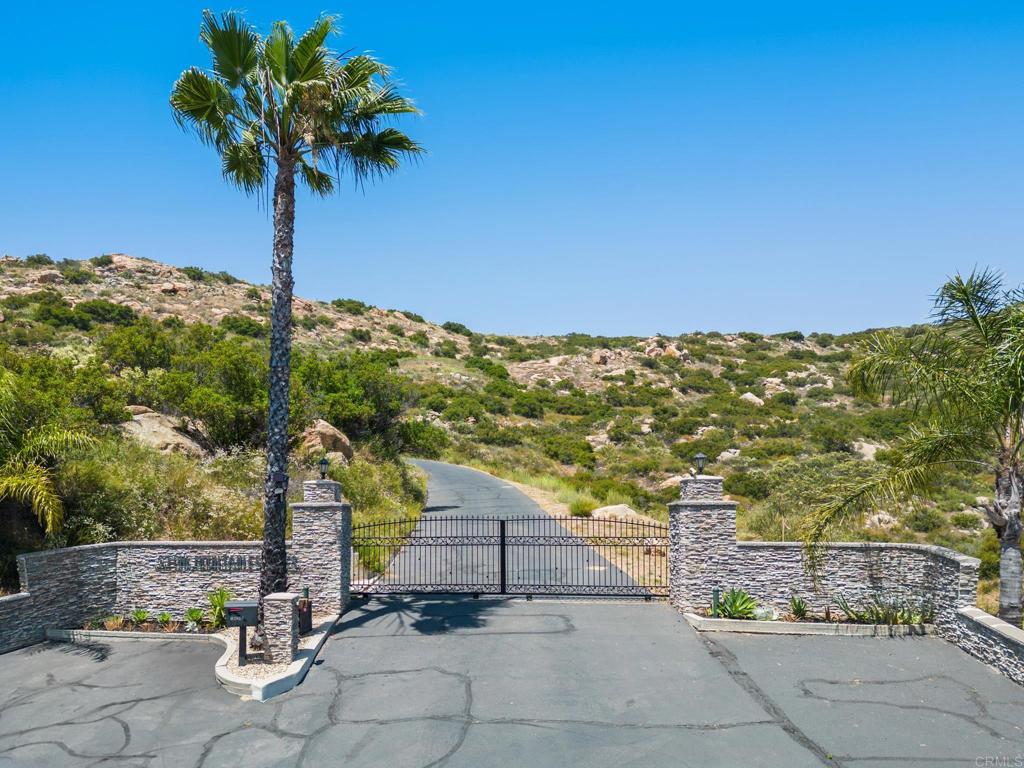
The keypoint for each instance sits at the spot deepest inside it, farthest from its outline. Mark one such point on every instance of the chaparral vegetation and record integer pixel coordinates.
(597, 420)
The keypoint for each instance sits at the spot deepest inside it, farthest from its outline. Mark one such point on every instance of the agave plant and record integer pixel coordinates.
(798, 608)
(737, 604)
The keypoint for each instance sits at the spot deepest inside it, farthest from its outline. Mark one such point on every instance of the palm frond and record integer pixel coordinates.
(30, 483)
(318, 182)
(924, 371)
(917, 459)
(309, 57)
(373, 154)
(206, 106)
(277, 50)
(243, 164)
(233, 44)
(52, 441)
(976, 300)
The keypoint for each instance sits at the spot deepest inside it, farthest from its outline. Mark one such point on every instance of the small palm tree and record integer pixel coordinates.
(280, 107)
(30, 442)
(964, 376)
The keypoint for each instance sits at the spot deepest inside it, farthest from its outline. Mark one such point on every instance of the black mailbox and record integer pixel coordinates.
(241, 613)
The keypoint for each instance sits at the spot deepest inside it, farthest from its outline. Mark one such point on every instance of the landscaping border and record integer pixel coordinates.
(835, 629)
(258, 689)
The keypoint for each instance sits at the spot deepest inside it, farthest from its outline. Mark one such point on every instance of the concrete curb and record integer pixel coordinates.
(258, 690)
(707, 624)
(263, 689)
(88, 635)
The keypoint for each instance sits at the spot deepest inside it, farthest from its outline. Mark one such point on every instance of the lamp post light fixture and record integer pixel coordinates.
(700, 460)
(324, 464)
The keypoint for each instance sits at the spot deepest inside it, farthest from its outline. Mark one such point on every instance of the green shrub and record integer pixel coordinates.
(104, 260)
(883, 610)
(360, 334)
(786, 398)
(446, 348)
(491, 368)
(966, 520)
(396, 330)
(568, 449)
(164, 618)
(38, 260)
(924, 519)
(194, 273)
(200, 275)
(253, 293)
(528, 404)
(752, 485)
(351, 306)
(790, 336)
(489, 433)
(143, 345)
(420, 339)
(582, 506)
(244, 325)
(413, 316)
(74, 273)
(139, 616)
(458, 328)
(103, 311)
(423, 439)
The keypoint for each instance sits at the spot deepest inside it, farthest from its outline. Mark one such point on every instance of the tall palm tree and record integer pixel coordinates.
(964, 376)
(30, 441)
(288, 107)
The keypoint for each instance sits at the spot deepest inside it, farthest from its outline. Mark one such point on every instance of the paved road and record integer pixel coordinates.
(462, 683)
(463, 513)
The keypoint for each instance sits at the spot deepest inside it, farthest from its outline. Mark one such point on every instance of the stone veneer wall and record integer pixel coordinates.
(322, 540)
(62, 588)
(704, 554)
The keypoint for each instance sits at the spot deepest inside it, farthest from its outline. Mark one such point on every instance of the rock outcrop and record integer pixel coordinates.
(159, 431)
(322, 437)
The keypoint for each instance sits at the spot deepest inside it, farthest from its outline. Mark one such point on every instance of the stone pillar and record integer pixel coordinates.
(322, 544)
(702, 542)
(281, 627)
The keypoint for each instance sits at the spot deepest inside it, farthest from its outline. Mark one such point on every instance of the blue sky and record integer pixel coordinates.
(625, 168)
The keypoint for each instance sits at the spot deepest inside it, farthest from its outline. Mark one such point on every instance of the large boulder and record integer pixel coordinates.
(670, 482)
(49, 277)
(323, 437)
(750, 397)
(159, 431)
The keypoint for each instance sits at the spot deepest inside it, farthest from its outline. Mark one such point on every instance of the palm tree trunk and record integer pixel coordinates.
(1008, 496)
(274, 571)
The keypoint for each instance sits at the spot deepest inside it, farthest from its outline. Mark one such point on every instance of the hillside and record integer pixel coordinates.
(599, 420)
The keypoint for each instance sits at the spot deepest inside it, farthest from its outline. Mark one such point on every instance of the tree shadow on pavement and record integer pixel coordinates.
(97, 652)
(426, 615)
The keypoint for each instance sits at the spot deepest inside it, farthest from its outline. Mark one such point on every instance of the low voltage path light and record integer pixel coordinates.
(700, 460)
(324, 466)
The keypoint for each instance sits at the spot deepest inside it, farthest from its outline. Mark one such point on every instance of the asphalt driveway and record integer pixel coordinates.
(452, 681)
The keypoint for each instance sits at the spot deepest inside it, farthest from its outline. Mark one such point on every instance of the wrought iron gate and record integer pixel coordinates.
(517, 555)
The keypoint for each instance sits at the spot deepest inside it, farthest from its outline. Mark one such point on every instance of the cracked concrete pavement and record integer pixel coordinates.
(452, 681)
